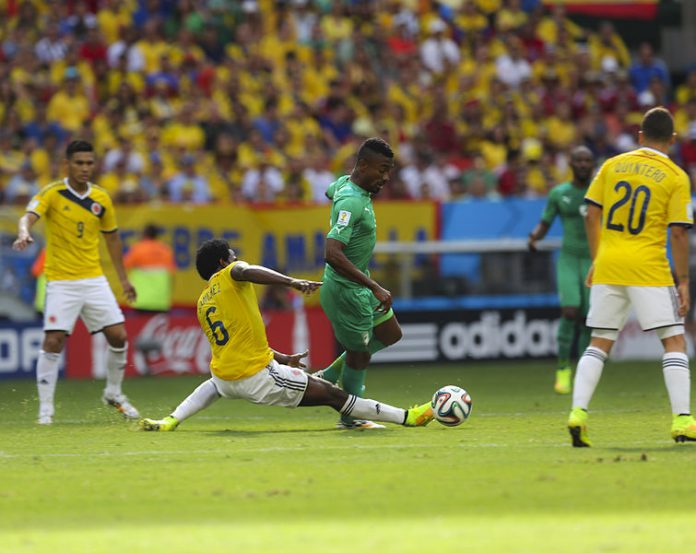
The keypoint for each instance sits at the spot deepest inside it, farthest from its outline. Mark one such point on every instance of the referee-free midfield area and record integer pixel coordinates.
(242, 477)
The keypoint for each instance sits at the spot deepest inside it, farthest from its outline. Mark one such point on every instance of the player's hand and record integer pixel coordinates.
(129, 291)
(305, 286)
(295, 360)
(384, 297)
(684, 298)
(588, 278)
(23, 240)
(531, 244)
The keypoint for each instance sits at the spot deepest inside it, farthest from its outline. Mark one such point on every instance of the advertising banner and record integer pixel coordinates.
(20, 344)
(288, 238)
(444, 336)
(626, 9)
(164, 344)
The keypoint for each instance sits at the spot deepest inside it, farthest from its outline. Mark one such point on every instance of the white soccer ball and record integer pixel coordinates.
(451, 405)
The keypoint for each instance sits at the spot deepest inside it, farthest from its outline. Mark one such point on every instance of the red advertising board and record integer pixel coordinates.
(623, 9)
(174, 344)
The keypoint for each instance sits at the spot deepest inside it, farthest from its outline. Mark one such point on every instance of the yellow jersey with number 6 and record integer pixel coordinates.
(229, 315)
(641, 194)
(73, 226)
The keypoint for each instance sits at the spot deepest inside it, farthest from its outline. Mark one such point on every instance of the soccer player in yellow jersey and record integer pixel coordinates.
(632, 202)
(76, 213)
(243, 366)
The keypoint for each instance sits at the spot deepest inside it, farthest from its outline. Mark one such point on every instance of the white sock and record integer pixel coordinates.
(587, 376)
(46, 377)
(675, 367)
(361, 408)
(115, 369)
(203, 396)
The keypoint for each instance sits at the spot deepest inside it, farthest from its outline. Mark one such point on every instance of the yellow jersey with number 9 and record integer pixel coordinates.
(229, 315)
(73, 226)
(641, 194)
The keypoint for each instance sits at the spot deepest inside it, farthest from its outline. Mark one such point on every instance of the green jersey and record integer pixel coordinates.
(353, 223)
(568, 202)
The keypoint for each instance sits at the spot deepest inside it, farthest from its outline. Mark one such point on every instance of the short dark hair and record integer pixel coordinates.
(78, 146)
(375, 145)
(658, 125)
(209, 255)
(152, 231)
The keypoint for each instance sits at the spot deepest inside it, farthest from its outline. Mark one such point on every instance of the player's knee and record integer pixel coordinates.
(395, 335)
(357, 359)
(672, 338)
(570, 313)
(53, 342)
(117, 337)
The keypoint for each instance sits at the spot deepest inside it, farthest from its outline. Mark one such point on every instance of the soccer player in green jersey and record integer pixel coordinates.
(567, 200)
(358, 307)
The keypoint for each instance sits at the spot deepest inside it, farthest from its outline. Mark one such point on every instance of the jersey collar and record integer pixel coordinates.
(358, 188)
(653, 150)
(74, 192)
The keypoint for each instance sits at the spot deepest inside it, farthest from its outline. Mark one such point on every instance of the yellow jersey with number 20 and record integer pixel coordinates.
(229, 315)
(73, 226)
(641, 193)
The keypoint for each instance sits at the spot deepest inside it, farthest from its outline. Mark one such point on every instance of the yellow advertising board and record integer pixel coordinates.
(287, 238)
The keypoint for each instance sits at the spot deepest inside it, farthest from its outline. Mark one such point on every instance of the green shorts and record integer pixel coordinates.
(352, 312)
(571, 272)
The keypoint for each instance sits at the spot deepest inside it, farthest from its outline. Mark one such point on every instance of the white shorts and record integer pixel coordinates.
(275, 384)
(655, 306)
(88, 298)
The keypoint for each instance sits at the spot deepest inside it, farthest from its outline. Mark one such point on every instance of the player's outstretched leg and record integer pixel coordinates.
(203, 396)
(320, 392)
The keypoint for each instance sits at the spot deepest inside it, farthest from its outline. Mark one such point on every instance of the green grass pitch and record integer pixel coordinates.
(246, 478)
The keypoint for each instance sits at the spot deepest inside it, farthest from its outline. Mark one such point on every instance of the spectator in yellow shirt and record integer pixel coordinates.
(69, 106)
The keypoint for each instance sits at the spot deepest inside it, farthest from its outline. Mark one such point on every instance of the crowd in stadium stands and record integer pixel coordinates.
(266, 100)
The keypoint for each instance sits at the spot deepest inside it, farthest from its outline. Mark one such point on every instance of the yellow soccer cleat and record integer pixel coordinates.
(683, 428)
(167, 424)
(419, 415)
(577, 426)
(564, 381)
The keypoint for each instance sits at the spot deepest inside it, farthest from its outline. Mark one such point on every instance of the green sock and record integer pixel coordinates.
(375, 345)
(353, 382)
(566, 333)
(332, 373)
(584, 339)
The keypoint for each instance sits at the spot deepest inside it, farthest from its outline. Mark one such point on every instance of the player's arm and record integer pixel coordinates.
(115, 248)
(335, 256)
(679, 241)
(257, 274)
(539, 232)
(593, 227)
(24, 237)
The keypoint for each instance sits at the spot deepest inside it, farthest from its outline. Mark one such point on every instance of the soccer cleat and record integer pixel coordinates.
(167, 424)
(358, 424)
(563, 383)
(45, 420)
(419, 415)
(122, 405)
(577, 426)
(683, 428)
